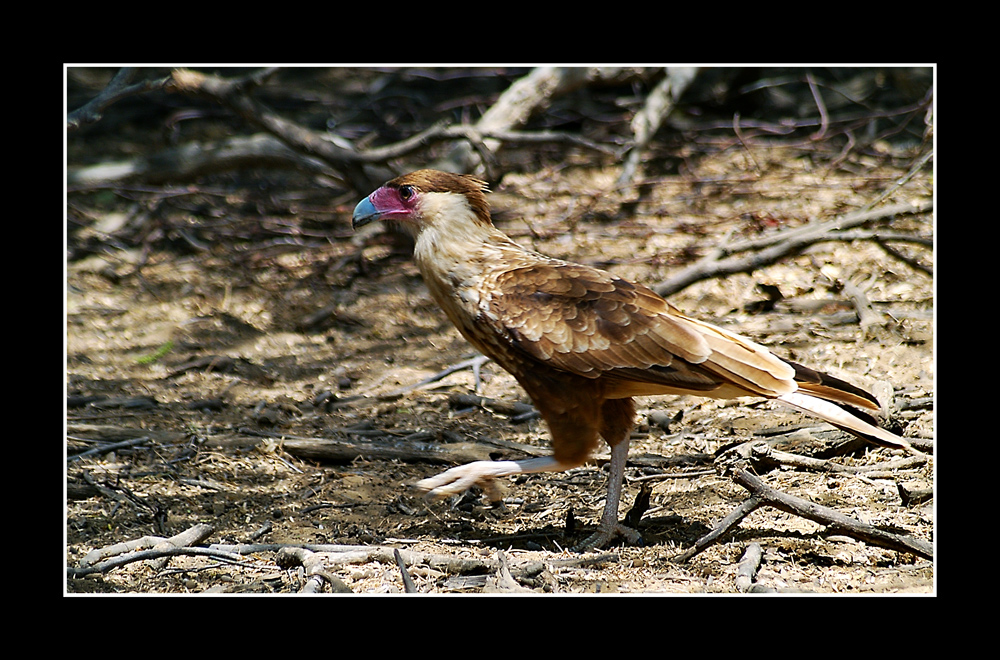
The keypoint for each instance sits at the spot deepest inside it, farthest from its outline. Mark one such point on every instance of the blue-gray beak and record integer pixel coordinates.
(364, 213)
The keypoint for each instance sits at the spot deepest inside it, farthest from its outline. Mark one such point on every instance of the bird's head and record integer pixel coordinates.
(426, 198)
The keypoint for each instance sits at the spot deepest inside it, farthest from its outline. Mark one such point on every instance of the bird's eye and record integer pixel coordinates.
(405, 193)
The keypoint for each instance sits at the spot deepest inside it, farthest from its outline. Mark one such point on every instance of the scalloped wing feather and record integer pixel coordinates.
(591, 323)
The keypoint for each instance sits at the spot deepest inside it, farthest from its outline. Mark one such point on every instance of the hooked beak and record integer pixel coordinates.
(364, 213)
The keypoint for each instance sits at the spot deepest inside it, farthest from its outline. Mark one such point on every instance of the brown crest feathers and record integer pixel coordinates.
(435, 181)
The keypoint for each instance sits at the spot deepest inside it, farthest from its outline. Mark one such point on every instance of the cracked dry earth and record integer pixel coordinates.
(216, 453)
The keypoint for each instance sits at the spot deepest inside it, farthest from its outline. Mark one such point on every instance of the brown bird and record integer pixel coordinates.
(581, 341)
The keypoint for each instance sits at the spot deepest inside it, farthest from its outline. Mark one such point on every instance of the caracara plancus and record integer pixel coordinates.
(581, 341)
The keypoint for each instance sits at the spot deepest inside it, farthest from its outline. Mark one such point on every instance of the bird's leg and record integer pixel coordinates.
(617, 419)
(460, 479)
(610, 527)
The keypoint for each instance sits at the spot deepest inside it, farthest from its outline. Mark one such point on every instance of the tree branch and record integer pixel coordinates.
(116, 90)
(769, 249)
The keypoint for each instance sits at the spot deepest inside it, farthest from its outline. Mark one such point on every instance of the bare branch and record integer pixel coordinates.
(763, 495)
(232, 94)
(516, 105)
(659, 104)
(302, 147)
(771, 248)
(116, 90)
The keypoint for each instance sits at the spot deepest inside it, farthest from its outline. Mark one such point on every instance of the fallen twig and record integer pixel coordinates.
(745, 508)
(144, 555)
(881, 241)
(771, 248)
(361, 554)
(509, 408)
(105, 448)
(315, 567)
(836, 523)
(98, 554)
(867, 316)
(192, 535)
(762, 457)
(748, 566)
(408, 585)
(503, 581)
(473, 363)
(189, 537)
(345, 451)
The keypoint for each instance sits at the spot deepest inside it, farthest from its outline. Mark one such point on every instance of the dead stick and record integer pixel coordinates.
(862, 305)
(342, 451)
(360, 554)
(144, 555)
(777, 246)
(315, 567)
(659, 104)
(747, 507)
(97, 554)
(190, 536)
(408, 585)
(748, 566)
(835, 521)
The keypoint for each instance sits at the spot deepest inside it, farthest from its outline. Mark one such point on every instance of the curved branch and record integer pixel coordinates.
(769, 249)
(116, 90)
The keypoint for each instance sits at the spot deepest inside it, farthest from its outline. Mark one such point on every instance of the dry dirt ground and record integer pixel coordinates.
(217, 355)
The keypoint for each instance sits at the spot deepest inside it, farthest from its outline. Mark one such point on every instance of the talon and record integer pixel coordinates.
(427, 491)
(456, 481)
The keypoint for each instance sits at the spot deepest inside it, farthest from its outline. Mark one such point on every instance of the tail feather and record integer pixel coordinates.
(852, 421)
(833, 389)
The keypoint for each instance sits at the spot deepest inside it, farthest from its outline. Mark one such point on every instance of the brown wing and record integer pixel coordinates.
(591, 323)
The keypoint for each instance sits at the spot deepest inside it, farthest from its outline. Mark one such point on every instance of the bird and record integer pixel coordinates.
(582, 342)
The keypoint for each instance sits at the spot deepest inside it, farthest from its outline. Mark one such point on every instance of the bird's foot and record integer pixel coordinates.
(462, 478)
(603, 536)
(482, 473)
